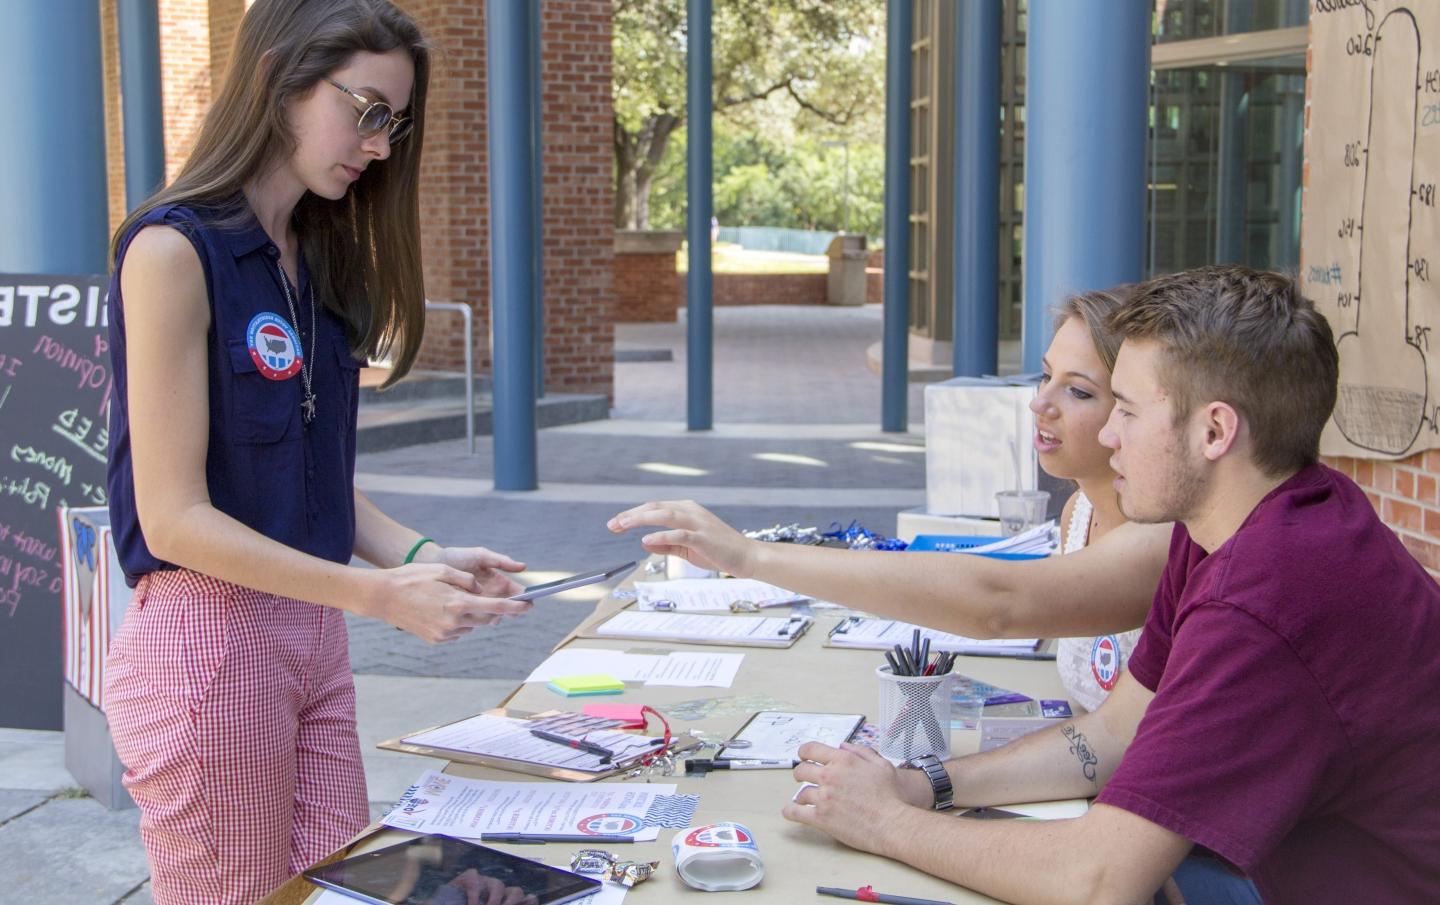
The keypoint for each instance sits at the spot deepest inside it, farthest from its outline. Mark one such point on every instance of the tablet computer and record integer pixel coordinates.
(440, 870)
(536, 591)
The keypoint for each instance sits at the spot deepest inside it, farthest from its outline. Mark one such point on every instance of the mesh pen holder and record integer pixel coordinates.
(914, 715)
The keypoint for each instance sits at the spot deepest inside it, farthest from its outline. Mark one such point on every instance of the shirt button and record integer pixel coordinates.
(272, 251)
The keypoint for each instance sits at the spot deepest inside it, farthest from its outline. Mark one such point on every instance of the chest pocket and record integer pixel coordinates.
(262, 410)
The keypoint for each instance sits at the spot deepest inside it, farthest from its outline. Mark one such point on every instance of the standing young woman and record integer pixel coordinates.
(1101, 587)
(244, 298)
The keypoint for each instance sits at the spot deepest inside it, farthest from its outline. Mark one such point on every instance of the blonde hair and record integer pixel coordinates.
(1095, 308)
(363, 250)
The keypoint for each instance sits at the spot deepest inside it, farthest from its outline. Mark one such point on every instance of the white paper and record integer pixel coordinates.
(455, 806)
(882, 634)
(500, 736)
(680, 668)
(701, 595)
(696, 627)
(696, 670)
(580, 661)
(1040, 539)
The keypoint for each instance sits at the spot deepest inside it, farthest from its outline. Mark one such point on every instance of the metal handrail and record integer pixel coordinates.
(468, 316)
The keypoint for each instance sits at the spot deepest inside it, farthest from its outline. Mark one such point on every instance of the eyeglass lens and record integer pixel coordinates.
(379, 117)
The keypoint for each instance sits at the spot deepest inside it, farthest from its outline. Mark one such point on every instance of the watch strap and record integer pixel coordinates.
(934, 770)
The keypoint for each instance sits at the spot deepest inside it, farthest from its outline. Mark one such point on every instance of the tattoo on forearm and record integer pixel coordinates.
(1080, 747)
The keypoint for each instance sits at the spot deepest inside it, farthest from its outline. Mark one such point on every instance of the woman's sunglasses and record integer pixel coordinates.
(377, 116)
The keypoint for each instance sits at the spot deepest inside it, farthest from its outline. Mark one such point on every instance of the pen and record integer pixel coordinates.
(604, 753)
(541, 838)
(867, 894)
(698, 767)
(1022, 655)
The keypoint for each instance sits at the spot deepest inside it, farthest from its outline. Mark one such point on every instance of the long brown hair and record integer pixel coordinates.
(363, 250)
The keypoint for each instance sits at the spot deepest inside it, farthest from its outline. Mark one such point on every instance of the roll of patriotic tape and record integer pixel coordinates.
(717, 857)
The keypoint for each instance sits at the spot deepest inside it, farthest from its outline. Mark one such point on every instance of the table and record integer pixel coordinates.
(807, 676)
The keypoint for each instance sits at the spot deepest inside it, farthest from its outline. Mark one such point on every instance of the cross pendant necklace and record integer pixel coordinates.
(307, 362)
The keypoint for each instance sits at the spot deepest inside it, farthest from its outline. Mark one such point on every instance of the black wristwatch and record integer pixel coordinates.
(939, 780)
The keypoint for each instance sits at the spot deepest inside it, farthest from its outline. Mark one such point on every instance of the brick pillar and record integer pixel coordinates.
(646, 286)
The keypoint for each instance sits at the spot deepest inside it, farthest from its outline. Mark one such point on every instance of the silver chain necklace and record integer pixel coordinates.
(307, 362)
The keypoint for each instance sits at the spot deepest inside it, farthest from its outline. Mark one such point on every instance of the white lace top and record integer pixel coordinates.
(1089, 667)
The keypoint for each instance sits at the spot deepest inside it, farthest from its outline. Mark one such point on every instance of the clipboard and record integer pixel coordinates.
(776, 734)
(894, 631)
(689, 628)
(529, 768)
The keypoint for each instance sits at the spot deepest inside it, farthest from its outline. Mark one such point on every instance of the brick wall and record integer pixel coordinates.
(185, 47)
(114, 125)
(646, 290)
(1404, 494)
(763, 288)
(196, 37)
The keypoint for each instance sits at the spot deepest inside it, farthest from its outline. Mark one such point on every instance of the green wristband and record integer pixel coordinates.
(410, 557)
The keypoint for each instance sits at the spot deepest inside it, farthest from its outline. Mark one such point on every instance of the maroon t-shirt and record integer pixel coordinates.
(1295, 729)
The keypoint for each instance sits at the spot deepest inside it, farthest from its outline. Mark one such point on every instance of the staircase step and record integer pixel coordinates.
(395, 423)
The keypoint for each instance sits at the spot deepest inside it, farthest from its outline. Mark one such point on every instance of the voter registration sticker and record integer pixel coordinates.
(1105, 661)
(720, 834)
(274, 346)
(609, 825)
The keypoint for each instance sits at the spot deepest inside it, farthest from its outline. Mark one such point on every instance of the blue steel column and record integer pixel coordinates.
(895, 344)
(512, 285)
(52, 160)
(537, 195)
(141, 103)
(1087, 76)
(700, 207)
(977, 172)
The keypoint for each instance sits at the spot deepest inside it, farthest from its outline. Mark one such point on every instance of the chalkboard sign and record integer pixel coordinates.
(54, 410)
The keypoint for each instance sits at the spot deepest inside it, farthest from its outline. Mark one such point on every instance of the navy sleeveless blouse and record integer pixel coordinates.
(293, 482)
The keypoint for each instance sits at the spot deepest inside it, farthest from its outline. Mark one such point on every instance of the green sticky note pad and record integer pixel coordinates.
(575, 686)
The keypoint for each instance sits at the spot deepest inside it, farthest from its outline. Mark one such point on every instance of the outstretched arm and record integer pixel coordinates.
(1107, 587)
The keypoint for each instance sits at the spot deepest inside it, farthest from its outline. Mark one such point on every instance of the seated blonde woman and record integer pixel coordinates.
(1095, 596)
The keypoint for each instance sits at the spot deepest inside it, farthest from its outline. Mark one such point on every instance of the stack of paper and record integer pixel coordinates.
(688, 669)
(441, 803)
(1041, 539)
(700, 595)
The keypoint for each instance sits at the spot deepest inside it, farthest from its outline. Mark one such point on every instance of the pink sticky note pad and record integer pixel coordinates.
(630, 713)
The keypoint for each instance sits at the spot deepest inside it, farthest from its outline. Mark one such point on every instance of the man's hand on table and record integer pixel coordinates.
(856, 795)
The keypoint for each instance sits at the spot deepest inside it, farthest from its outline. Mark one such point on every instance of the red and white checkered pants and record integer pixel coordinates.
(234, 714)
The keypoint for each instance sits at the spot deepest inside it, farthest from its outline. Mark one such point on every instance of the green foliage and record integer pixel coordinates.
(760, 181)
(788, 74)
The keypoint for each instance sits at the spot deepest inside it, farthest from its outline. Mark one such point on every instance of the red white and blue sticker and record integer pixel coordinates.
(274, 346)
(721, 835)
(609, 825)
(1105, 661)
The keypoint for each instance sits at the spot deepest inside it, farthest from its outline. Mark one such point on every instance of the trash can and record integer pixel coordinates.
(845, 284)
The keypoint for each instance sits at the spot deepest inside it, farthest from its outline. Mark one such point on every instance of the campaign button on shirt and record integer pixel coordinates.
(1105, 661)
(274, 346)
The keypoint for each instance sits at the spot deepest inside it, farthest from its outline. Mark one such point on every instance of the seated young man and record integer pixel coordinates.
(1282, 709)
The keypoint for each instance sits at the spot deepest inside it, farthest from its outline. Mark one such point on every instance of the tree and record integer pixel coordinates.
(824, 56)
